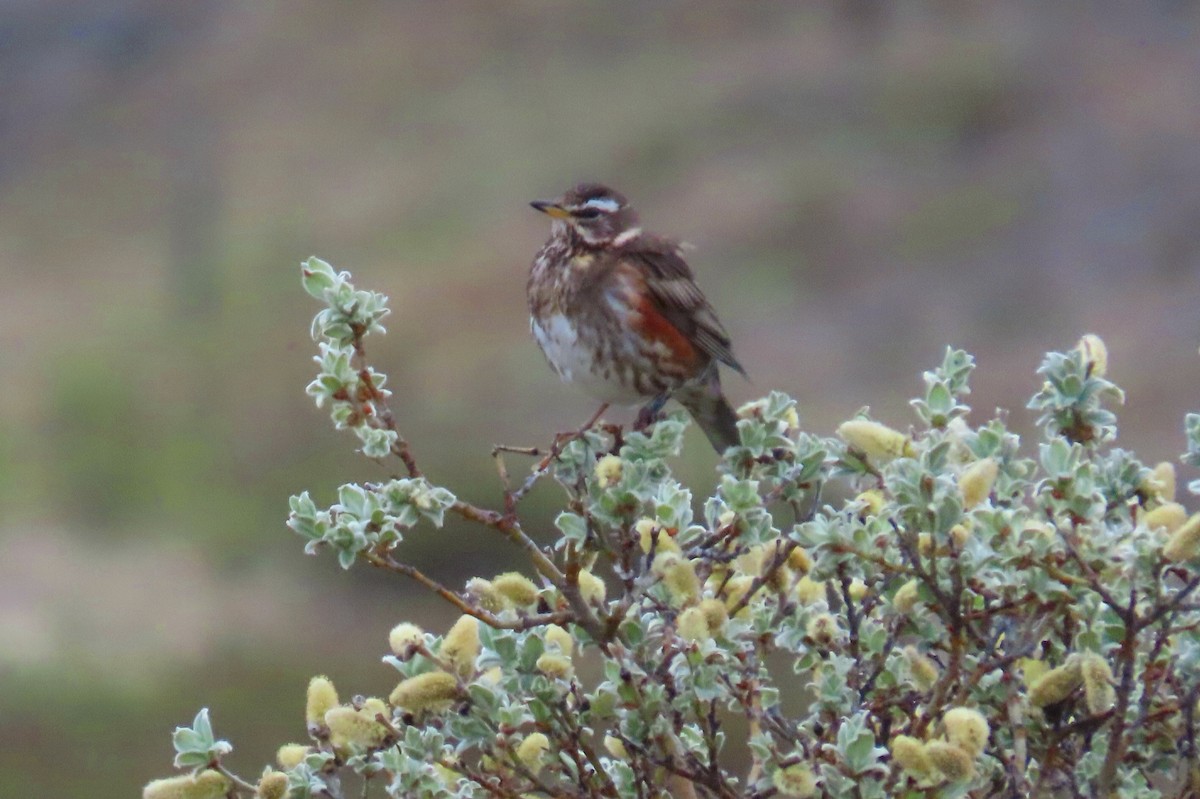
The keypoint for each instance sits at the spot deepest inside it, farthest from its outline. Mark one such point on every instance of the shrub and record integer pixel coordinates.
(975, 620)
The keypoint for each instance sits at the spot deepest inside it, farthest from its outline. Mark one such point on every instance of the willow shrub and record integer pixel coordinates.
(981, 618)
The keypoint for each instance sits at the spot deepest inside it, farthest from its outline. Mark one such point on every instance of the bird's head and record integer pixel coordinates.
(596, 214)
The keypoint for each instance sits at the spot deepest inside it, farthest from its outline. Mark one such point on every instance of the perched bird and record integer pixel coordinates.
(617, 312)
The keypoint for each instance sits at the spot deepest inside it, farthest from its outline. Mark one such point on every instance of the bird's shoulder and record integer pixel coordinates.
(663, 271)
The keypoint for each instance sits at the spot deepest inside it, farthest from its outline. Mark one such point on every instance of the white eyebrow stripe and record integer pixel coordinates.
(627, 236)
(607, 204)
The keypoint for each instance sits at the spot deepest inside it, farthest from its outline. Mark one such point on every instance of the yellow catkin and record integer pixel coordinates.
(960, 534)
(967, 729)
(1184, 543)
(560, 639)
(909, 754)
(271, 785)
(682, 584)
(592, 588)
(800, 561)
(487, 597)
(432, 690)
(976, 481)
(616, 747)
(924, 544)
(608, 470)
(692, 625)
(906, 597)
(808, 590)
(1098, 690)
(822, 629)
(1166, 518)
(289, 756)
(872, 500)
(532, 751)
(715, 614)
(955, 764)
(404, 639)
(796, 781)
(876, 441)
(351, 728)
(735, 589)
(322, 696)
(857, 589)
(1160, 483)
(1032, 670)
(1056, 685)
(208, 784)
(554, 666)
(651, 534)
(1095, 354)
(924, 671)
(516, 588)
(460, 647)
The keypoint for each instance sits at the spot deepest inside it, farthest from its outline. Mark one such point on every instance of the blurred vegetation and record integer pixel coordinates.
(865, 184)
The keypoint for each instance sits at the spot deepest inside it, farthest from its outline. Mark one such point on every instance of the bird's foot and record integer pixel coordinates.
(650, 413)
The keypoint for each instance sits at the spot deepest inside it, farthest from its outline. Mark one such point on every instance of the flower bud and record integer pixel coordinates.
(433, 690)
(532, 751)
(735, 589)
(322, 697)
(652, 534)
(1098, 688)
(404, 639)
(795, 781)
(1160, 483)
(682, 584)
(1095, 354)
(715, 615)
(555, 666)
(808, 590)
(909, 754)
(460, 647)
(857, 589)
(954, 763)
(1056, 685)
(559, 638)
(1166, 518)
(516, 588)
(976, 481)
(872, 500)
(876, 441)
(1184, 542)
(922, 668)
(1032, 670)
(967, 729)
(616, 747)
(271, 785)
(592, 588)
(353, 729)
(208, 784)
(800, 561)
(291, 755)
(906, 597)
(692, 625)
(960, 534)
(608, 470)
(487, 597)
(822, 629)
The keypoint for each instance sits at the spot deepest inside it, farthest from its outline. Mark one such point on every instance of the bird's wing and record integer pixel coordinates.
(679, 299)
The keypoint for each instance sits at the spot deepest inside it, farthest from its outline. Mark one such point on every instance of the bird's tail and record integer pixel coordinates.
(706, 403)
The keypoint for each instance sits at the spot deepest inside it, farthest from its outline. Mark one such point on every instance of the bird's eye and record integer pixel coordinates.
(587, 213)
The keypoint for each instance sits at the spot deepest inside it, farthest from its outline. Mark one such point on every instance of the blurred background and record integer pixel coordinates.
(864, 184)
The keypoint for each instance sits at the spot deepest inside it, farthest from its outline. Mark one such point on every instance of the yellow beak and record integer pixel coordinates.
(551, 209)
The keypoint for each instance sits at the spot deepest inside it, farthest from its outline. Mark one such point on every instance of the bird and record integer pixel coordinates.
(617, 312)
